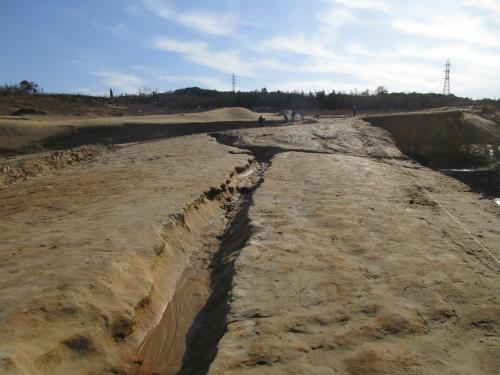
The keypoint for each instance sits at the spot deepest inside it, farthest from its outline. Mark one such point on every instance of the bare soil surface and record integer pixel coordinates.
(91, 255)
(28, 134)
(331, 253)
(353, 269)
(17, 169)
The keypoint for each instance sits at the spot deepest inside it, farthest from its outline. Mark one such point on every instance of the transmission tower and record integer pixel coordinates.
(234, 82)
(446, 89)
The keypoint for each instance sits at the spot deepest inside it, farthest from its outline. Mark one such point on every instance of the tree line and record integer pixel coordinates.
(197, 99)
(23, 87)
(194, 98)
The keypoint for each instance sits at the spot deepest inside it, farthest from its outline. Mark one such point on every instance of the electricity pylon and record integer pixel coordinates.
(446, 89)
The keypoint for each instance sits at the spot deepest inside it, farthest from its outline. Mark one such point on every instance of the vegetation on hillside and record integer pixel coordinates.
(23, 87)
(196, 99)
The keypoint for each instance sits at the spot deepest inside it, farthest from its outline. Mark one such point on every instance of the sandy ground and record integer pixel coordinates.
(349, 266)
(353, 269)
(84, 256)
(19, 132)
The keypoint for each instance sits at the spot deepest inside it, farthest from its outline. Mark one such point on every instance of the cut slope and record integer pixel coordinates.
(447, 139)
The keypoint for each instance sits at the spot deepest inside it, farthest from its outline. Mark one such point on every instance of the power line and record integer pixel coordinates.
(457, 221)
(446, 88)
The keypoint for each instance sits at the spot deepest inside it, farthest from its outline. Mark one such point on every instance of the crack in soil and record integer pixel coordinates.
(185, 339)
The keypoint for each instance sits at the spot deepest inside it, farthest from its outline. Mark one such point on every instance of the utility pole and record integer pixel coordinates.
(234, 82)
(446, 89)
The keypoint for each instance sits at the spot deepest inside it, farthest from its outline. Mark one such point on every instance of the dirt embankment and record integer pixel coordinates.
(23, 168)
(31, 134)
(450, 139)
(461, 143)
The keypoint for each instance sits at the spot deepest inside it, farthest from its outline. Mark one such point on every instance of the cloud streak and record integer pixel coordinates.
(375, 5)
(200, 20)
(128, 83)
(227, 61)
(457, 26)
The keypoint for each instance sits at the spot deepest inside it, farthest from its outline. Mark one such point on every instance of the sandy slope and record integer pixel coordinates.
(21, 132)
(84, 258)
(353, 269)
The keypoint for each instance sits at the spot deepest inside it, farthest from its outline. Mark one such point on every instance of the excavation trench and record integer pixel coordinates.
(186, 337)
(459, 144)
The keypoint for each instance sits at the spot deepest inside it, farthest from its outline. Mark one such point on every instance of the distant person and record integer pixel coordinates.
(354, 111)
(285, 118)
(262, 121)
(302, 115)
(293, 116)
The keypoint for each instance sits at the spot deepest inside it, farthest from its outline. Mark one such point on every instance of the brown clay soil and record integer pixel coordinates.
(303, 249)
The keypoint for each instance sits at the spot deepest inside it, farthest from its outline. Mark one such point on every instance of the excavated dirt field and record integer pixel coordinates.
(300, 249)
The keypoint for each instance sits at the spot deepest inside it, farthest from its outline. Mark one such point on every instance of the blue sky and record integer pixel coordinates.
(90, 46)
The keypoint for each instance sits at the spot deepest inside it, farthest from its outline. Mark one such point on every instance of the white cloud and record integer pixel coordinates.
(200, 20)
(457, 26)
(223, 24)
(377, 5)
(116, 80)
(300, 44)
(86, 91)
(225, 61)
(490, 6)
(328, 58)
(332, 21)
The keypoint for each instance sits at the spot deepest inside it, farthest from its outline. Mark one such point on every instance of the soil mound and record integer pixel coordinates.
(28, 111)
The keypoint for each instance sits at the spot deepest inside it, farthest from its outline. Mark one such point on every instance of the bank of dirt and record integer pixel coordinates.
(17, 169)
(463, 144)
(32, 134)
